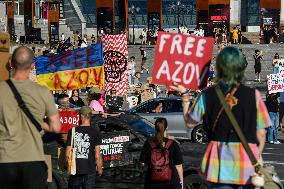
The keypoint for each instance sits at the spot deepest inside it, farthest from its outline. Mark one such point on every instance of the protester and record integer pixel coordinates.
(131, 69)
(144, 59)
(273, 110)
(63, 102)
(168, 152)
(114, 102)
(266, 35)
(93, 39)
(235, 32)
(257, 64)
(159, 108)
(62, 37)
(275, 63)
(222, 165)
(240, 36)
(21, 153)
(137, 78)
(95, 105)
(75, 99)
(86, 141)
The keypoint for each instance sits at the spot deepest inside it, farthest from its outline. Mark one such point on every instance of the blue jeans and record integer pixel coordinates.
(229, 186)
(272, 131)
(82, 181)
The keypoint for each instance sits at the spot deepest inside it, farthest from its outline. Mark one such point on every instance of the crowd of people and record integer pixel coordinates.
(224, 35)
(269, 34)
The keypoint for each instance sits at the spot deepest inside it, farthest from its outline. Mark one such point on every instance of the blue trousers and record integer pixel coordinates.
(82, 181)
(272, 131)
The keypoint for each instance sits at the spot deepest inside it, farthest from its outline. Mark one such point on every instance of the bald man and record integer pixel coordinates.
(21, 148)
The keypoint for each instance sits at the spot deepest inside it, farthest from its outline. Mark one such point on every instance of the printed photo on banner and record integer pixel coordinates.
(72, 70)
(183, 59)
(275, 82)
(115, 63)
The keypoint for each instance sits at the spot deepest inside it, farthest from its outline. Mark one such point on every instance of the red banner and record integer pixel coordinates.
(68, 120)
(183, 59)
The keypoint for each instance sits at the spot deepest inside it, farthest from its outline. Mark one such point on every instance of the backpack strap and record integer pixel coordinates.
(168, 144)
(154, 145)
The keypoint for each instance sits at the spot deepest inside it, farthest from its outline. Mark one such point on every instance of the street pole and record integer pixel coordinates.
(178, 20)
(133, 28)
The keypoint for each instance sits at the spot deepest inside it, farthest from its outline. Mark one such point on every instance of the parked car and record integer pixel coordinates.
(128, 172)
(171, 110)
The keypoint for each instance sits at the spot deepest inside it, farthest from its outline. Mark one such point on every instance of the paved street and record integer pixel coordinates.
(273, 154)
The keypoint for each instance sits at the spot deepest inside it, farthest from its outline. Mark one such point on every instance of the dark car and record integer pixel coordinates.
(122, 169)
(172, 110)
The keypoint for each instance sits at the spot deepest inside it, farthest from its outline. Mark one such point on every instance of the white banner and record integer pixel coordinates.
(275, 82)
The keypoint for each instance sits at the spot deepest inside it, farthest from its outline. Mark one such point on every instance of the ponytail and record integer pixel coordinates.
(160, 126)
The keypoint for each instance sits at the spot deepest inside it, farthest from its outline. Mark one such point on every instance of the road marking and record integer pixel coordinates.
(266, 153)
(274, 162)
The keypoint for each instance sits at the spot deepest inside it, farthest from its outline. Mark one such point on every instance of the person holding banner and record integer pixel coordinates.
(273, 110)
(275, 63)
(226, 163)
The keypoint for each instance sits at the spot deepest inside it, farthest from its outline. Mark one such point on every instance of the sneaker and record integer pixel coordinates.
(277, 142)
(271, 142)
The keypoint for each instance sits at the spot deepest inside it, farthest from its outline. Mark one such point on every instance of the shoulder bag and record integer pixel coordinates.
(71, 160)
(266, 176)
(23, 106)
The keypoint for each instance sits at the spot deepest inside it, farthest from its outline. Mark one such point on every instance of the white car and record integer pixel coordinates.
(173, 112)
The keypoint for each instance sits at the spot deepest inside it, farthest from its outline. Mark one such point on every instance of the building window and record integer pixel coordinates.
(16, 8)
(21, 8)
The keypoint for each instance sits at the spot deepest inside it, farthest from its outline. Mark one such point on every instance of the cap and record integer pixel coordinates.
(85, 110)
(95, 90)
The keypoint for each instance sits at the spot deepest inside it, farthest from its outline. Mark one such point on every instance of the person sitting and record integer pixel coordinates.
(159, 108)
(75, 99)
(63, 102)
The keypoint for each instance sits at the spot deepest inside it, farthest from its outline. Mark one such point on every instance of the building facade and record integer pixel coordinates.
(125, 15)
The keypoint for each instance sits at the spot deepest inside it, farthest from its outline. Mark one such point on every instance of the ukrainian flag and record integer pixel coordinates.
(72, 70)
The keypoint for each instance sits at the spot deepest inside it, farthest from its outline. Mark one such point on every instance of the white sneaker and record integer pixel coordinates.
(271, 142)
(277, 142)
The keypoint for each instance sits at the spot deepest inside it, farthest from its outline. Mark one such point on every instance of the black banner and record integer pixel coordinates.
(114, 148)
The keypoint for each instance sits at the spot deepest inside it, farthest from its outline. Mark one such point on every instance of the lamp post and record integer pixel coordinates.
(133, 10)
(177, 8)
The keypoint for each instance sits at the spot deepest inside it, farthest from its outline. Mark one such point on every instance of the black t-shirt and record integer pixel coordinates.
(175, 159)
(86, 138)
(272, 103)
(78, 103)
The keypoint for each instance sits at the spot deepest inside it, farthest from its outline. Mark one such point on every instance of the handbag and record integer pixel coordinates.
(71, 159)
(269, 180)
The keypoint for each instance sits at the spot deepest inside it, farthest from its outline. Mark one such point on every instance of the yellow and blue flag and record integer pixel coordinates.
(70, 70)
